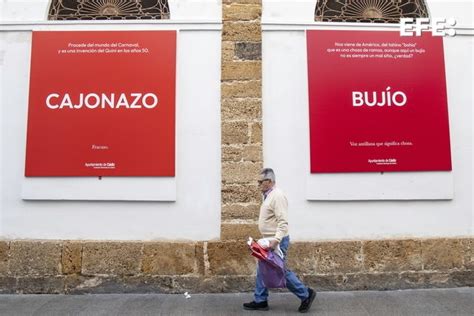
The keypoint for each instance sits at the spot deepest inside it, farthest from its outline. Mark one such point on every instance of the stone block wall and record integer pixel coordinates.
(241, 105)
(76, 267)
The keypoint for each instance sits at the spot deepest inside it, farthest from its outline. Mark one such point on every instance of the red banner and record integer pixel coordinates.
(377, 102)
(102, 104)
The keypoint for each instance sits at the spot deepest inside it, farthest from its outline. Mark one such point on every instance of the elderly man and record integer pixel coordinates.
(273, 223)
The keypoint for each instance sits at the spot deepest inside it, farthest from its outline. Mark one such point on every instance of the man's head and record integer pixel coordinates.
(266, 179)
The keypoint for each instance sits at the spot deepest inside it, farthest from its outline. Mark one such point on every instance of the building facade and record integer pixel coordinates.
(241, 104)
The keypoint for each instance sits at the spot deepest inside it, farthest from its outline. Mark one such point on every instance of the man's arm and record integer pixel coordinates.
(280, 208)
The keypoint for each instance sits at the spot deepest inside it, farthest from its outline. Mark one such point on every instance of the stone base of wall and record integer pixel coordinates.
(78, 267)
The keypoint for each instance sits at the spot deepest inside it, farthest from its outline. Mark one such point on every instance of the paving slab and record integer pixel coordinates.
(429, 302)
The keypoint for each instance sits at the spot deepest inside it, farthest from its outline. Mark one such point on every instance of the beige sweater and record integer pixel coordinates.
(273, 219)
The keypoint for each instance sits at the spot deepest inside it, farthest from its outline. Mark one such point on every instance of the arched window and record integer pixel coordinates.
(109, 10)
(369, 11)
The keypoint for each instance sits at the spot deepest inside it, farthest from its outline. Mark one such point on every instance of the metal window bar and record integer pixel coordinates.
(109, 10)
(369, 11)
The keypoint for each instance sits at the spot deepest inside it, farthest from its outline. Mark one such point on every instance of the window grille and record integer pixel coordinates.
(369, 11)
(109, 10)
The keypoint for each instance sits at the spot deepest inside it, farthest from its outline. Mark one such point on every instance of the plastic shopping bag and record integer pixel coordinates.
(272, 270)
(271, 266)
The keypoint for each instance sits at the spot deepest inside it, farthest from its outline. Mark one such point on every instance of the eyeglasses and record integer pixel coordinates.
(261, 181)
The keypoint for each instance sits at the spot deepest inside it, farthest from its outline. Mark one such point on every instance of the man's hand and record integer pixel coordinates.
(274, 243)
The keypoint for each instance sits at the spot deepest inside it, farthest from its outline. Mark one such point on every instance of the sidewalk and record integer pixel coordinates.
(431, 302)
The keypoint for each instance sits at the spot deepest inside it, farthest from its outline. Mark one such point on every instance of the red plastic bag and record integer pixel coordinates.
(258, 251)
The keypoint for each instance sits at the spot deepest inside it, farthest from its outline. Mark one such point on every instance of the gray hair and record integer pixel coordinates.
(268, 173)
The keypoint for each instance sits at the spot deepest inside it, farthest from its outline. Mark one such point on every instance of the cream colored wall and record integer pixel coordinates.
(66, 208)
(361, 206)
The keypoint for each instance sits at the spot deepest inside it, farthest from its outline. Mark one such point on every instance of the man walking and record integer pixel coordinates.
(273, 223)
